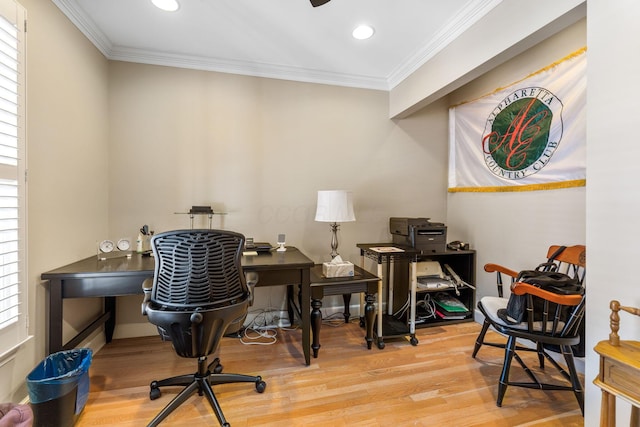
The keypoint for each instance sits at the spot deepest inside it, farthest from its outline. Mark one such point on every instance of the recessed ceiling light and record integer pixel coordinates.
(363, 32)
(168, 5)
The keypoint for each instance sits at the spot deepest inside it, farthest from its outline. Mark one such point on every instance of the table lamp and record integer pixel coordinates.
(335, 206)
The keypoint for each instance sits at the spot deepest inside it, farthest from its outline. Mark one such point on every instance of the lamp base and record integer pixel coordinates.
(334, 240)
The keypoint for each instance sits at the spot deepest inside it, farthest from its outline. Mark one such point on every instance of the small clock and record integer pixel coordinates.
(106, 246)
(123, 244)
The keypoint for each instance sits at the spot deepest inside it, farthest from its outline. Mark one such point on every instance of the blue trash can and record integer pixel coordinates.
(59, 387)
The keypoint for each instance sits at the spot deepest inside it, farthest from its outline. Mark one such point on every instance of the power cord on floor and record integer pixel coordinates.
(259, 337)
(262, 329)
(335, 320)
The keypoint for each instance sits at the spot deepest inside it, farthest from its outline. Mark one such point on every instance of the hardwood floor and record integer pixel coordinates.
(435, 383)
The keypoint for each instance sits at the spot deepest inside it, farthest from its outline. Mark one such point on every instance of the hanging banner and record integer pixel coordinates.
(528, 136)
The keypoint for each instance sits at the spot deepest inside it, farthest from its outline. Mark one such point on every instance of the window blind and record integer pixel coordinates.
(13, 324)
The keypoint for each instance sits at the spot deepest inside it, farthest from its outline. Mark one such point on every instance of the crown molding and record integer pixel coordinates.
(86, 25)
(247, 68)
(472, 13)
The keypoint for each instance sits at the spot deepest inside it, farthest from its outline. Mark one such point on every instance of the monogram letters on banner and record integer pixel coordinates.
(528, 136)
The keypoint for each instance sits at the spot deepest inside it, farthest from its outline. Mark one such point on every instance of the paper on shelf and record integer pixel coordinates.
(386, 249)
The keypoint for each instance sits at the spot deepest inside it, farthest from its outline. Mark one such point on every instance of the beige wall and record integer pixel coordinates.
(259, 149)
(67, 137)
(510, 28)
(529, 221)
(613, 195)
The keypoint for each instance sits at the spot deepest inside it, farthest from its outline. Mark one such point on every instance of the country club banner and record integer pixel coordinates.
(528, 136)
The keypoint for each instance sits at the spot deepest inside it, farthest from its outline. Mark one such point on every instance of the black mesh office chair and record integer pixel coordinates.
(198, 291)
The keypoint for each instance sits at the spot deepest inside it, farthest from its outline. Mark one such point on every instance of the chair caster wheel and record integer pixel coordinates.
(226, 425)
(380, 345)
(260, 385)
(155, 392)
(217, 369)
(414, 341)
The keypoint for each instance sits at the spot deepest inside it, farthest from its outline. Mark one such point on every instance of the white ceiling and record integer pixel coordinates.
(286, 39)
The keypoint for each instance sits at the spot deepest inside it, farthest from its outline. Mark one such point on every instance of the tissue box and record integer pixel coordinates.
(337, 269)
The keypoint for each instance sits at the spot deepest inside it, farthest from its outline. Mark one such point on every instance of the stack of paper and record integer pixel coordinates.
(449, 307)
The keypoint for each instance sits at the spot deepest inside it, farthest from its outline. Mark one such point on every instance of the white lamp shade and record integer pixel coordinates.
(335, 206)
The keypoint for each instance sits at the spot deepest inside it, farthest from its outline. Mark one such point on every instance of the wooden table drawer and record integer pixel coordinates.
(622, 377)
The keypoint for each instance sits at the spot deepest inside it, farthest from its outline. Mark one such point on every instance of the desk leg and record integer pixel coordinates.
(55, 316)
(110, 324)
(290, 304)
(316, 323)
(369, 315)
(362, 298)
(347, 301)
(305, 309)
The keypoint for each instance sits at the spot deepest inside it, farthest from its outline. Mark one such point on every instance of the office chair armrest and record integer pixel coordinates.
(521, 288)
(147, 285)
(496, 268)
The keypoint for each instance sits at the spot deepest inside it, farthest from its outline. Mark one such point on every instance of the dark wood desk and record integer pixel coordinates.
(113, 277)
(361, 281)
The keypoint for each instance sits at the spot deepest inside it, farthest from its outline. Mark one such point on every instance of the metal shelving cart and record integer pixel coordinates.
(385, 254)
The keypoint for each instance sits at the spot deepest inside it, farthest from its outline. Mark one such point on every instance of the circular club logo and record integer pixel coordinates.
(522, 133)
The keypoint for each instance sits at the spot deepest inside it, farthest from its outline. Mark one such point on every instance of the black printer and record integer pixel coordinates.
(419, 233)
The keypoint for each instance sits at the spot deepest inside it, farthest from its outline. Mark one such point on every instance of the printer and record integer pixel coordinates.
(419, 233)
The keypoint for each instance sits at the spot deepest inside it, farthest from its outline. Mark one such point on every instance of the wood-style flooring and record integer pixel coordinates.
(435, 383)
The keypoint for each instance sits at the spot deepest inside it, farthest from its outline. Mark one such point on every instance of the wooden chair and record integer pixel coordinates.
(571, 261)
(555, 323)
(619, 370)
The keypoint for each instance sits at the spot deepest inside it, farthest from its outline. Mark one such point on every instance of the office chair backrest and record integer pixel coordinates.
(198, 269)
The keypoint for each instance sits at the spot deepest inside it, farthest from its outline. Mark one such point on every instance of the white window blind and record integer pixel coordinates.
(13, 288)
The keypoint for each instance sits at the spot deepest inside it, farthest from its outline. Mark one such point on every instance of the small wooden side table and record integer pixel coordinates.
(361, 281)
(619, 374)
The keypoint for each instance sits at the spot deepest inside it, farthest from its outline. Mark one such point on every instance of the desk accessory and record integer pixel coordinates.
(105, 246)
(123, 245)
(201, 210)
(108, 249)
(335, 206)
(281, 242)
(143, 243)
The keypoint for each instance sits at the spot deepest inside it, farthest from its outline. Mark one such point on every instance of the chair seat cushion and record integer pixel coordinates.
(491, 305)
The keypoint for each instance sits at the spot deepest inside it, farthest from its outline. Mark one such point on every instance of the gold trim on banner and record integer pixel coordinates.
(530, 187)
(542, 70)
